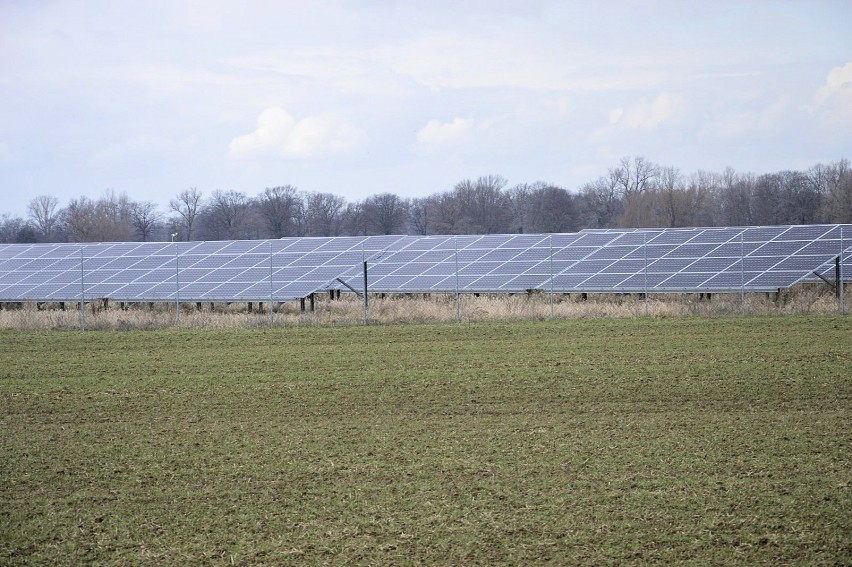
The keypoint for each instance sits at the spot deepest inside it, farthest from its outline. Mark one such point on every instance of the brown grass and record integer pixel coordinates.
(419, 309)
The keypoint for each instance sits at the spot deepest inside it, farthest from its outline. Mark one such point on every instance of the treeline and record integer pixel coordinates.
(634, 193)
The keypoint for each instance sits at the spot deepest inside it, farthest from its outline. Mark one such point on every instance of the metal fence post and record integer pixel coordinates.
(551, 277)
(82, 293)
(271, 289)
(645, 253)
(840, 282)
(177, 286)
(365, 293)
(458, 299)
(742, 274)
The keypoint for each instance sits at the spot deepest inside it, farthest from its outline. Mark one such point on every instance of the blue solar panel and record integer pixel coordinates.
(695, 259)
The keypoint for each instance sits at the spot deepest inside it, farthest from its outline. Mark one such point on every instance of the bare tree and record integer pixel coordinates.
(446, 213)
(80, 219)
(226, 214)
(635, 176)
(735, 199)
(282, 210)
(551, 209)
(838, 204)
(385, 213)
(601, 204)
(482, 205)
(15, 230)
(45, 215)
(323, 214)
(354, 220)
(420, 215)
(187, 205)
(104, 220)
(145, 219)
(520, 199)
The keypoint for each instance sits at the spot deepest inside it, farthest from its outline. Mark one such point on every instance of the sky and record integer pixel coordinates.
(364, 97)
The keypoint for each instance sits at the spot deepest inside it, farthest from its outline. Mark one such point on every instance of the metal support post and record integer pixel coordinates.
(458, 298)
(365, 293)
(551, 276)
(645, 252)
(82, 293)
(840, 284)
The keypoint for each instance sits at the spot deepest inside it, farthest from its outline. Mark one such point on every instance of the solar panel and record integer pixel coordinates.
(611, 260)
(187, 271)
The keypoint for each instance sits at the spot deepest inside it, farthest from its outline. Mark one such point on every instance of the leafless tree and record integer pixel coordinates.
(385, 213)
(282, 210)
(635, 176)
(601, 204)
(145, 219)
(482, 205)
(323, 214)
(45, 216)
(420, 216)
(353, 220)
(187, 205)
(107, 219)
(226, 215)
(552, 209)
(542, 207)
(15, 230)
(838, 204)
(735, 199)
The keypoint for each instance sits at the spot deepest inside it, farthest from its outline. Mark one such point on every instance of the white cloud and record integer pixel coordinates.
(280, 134)
(649, 115)
(615, 115)
(834, 97)
(839, 81)
(437, 135)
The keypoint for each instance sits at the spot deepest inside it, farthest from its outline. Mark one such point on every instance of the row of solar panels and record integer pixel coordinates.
(636, 260)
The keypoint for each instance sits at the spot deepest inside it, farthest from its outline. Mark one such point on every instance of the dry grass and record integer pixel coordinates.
(420, 309)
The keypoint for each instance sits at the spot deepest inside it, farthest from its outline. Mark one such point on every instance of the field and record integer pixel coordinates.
(605, 441)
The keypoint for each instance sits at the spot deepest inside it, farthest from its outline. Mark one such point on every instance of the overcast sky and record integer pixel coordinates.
(358, 98)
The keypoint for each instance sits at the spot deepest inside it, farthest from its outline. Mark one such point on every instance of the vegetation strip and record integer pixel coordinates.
(606, 441)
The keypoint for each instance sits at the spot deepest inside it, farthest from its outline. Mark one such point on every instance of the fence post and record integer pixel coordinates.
(551, 277)
(645, 253)
(458, 299)
(841, 298)
(742, 274)
(177, 286)
(271, 289)
(365, 293)
(82, 293)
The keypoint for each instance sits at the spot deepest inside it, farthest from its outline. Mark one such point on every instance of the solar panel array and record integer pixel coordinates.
(611, 260)
(636, 260)
(237, 270)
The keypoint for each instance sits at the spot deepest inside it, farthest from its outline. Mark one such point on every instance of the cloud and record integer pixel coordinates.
(615, 115)
(834, 97)
(649, 115)
(280, 134)
(437, 135)
(839, 81)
